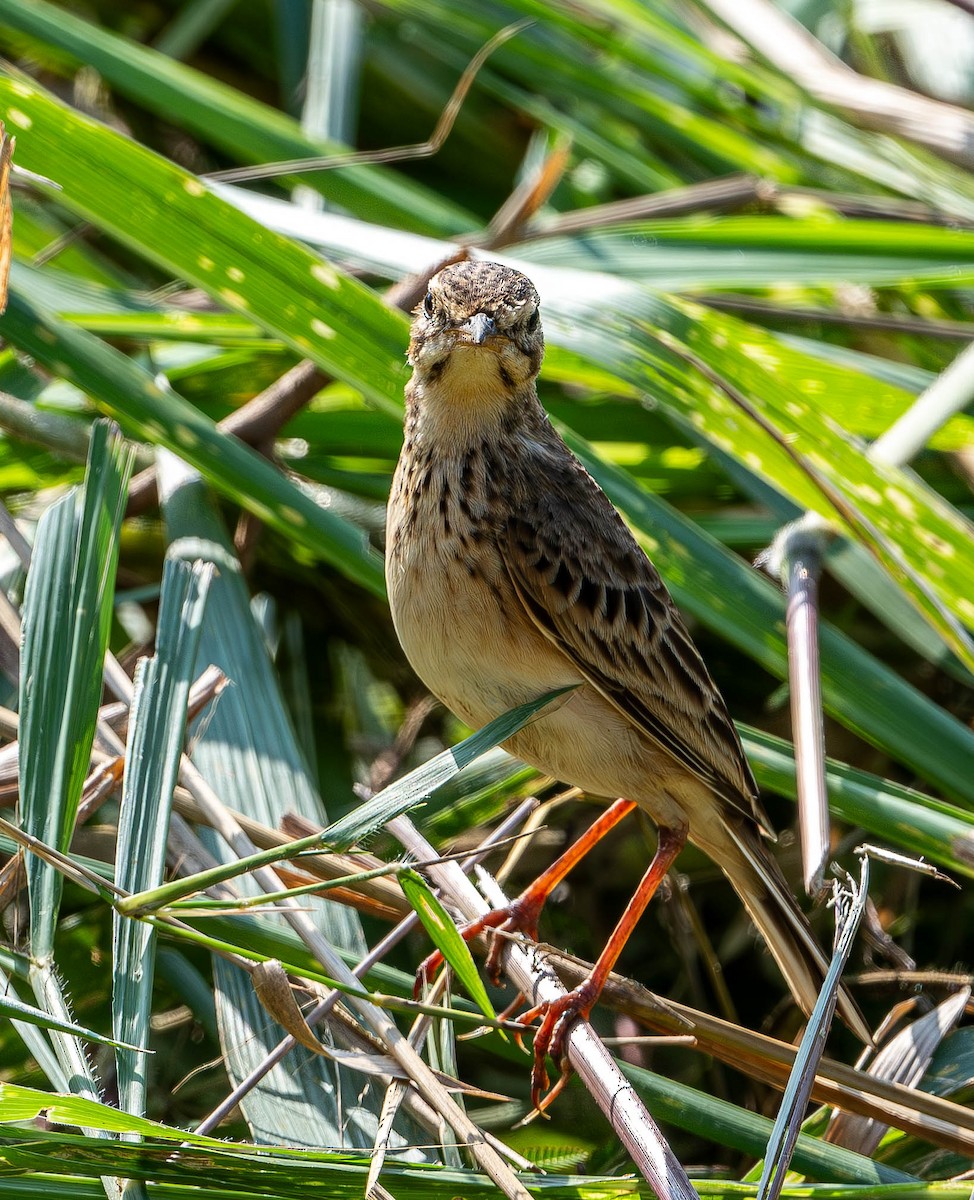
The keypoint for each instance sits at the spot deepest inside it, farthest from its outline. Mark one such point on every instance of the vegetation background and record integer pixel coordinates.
(716, 209)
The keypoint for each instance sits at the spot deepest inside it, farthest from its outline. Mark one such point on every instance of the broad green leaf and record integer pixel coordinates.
(159, 415)
(225, 116)
(708, 253)
(173, 220)
(19, 1104)
(227, 1171)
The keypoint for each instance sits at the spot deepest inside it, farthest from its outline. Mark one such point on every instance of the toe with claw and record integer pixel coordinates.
(557, 1017)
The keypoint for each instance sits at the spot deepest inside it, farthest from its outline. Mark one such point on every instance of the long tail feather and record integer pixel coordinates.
(764, 891)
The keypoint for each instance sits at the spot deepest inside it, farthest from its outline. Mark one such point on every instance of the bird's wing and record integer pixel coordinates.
(588, 586)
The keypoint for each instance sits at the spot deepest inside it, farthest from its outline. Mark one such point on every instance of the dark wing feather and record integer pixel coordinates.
(588, 586)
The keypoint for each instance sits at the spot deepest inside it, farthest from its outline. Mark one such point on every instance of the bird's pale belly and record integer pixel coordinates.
(459, 637)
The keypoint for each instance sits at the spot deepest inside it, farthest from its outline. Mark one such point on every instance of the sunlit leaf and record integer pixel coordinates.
(446, 938)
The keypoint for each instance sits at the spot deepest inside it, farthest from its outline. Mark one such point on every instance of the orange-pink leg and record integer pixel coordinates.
(521, 915)
(557, 1015)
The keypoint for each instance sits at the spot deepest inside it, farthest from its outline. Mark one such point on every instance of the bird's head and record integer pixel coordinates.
(476, 340)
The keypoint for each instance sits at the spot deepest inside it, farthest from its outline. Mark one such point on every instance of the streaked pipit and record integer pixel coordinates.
(510, 574)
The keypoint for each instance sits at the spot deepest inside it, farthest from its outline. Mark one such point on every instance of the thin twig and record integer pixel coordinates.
(892, 858)
(913, 980)
(886, 208)
(954, 330)
(949, 393)
(716, 195)
(508, 223)
(802, 564)
(397, 153)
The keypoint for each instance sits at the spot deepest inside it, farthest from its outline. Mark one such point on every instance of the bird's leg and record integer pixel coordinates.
(557, 1015)
(521, 915)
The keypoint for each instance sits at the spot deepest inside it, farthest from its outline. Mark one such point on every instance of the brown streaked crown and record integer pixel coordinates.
(463, 290)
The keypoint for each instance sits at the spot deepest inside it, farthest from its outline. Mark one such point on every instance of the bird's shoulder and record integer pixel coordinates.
(558, 514)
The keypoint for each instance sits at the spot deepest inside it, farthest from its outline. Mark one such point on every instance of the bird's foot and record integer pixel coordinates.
(557, 1017)
(520, 916)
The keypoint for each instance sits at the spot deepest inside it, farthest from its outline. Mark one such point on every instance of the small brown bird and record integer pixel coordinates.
(510, 574)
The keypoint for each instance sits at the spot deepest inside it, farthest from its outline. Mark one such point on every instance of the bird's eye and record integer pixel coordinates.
(533, 321)
(428, 304)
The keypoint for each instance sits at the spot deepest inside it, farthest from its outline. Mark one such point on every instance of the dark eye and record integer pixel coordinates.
(428, 304)
(533, 321)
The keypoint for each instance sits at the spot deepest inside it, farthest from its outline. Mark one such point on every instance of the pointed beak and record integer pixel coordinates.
(479, 328)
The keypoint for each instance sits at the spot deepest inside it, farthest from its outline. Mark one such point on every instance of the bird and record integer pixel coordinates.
(511, 575)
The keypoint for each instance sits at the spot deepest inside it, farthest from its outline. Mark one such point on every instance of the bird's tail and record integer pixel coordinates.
(758, 881)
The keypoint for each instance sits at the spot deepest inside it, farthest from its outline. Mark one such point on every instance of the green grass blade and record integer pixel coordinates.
(67, 611)
(16, 1010)
(412, 789)
(446, 938)
(157, 729)
(26, 1104)
(718, 1120)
